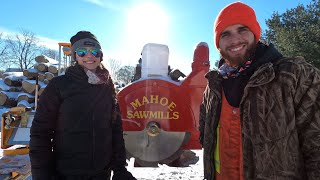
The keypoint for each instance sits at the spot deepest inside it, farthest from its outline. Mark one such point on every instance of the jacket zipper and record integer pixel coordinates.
(93, 141)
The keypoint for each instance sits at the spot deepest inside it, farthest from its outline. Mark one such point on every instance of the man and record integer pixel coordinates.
(260, 115)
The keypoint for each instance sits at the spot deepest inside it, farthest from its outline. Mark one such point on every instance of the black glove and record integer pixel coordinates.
(122, 174)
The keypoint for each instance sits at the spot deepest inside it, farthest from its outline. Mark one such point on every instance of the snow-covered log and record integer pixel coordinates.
(29, 86)
(15, 89)
(46, 81)
(30, 73)
(25, 97)
(41, 76)
(43, 67)
(49, 75)
(42, 89)
(45, 59)
(53, 68)
(5, 87)
(13, 80)
(8, 99)
(12, 73)
(25, 103)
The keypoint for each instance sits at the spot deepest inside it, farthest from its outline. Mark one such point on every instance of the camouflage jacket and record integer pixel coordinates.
(280, 121)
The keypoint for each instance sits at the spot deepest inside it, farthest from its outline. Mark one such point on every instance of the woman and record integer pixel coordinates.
(77, 130)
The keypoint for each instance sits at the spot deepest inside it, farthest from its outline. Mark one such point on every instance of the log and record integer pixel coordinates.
(41, 90)
(31, 74)
(45, 59)
(26, 97)
(11, 82)
(5, 87)
(35, 66)
(53, 68)
(8, 99)
(14, 89)
(29, 86)
(14, 80)
(46, 81)
(43, 67)
(41, 76)
(25, 103)
(11, 73)
(49, 75)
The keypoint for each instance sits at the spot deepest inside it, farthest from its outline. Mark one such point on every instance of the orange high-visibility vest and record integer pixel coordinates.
(228, 152)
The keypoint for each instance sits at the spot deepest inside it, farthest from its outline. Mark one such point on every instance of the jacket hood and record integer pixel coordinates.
(77, 72)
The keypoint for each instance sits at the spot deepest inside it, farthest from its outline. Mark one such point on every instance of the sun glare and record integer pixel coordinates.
(147, 23)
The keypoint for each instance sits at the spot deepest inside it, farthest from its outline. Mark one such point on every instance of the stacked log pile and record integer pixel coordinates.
(19, 88)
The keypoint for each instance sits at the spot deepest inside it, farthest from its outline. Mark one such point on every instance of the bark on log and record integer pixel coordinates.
(45, 59)
(41, 90)
(14, 80)
(53, 68)
(11, 73)
(46, 81)
(25, 103)
(43, 67)
(27, 97)
(30, 73)
(11, 82)
(5, 87)
(49, 75)
(14, 89)
(29, 86)
(8, 99)
(41, 76)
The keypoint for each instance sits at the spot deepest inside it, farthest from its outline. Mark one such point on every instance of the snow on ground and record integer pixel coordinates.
(193, 160)
(193, 171)
(164, 172)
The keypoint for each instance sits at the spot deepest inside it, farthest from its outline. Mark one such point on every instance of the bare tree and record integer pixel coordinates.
(3, 51)
(22, 48)
(50, 53)
(113, 66)
(3, 46)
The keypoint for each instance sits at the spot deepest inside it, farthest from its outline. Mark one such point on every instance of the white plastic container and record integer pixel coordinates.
(154, 60)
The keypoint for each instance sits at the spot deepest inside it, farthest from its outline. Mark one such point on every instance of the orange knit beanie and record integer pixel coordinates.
(236, 13)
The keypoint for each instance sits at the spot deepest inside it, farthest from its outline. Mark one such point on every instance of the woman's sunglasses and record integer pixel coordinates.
(83, 51)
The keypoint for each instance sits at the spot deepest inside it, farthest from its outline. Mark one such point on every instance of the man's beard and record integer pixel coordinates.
(241, 59)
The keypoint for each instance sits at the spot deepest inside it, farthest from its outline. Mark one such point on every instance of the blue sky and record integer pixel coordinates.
(123, 27)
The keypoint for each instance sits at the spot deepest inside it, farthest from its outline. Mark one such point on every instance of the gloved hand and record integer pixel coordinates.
(122, 174)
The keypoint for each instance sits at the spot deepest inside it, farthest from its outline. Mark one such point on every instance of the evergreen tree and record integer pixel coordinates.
(296, 32)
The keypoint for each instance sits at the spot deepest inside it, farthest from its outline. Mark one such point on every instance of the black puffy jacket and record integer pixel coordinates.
(74, 132)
